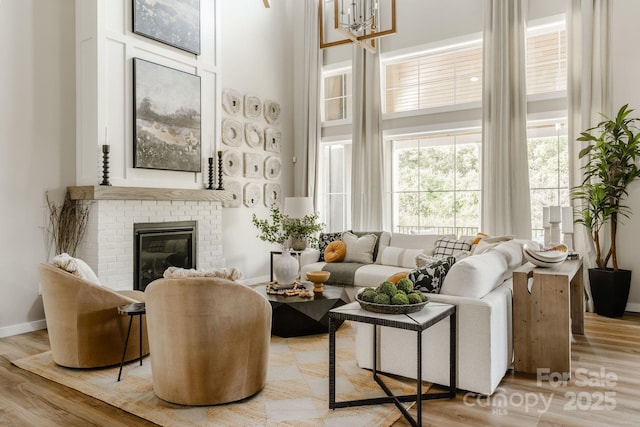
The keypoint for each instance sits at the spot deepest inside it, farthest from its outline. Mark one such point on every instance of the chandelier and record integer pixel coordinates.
(356, 21)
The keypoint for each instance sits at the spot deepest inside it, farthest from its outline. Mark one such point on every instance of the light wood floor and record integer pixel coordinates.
(606, 373)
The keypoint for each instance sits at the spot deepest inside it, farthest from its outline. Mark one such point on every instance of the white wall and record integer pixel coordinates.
(626, 90)
(105, 48)
(37, 148)
(257, 60)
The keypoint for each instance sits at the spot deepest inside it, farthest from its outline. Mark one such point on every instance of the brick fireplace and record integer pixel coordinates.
(108, 246)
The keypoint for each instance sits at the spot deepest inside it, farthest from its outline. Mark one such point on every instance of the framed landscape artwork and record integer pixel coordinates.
(174, 22)
(166, 118)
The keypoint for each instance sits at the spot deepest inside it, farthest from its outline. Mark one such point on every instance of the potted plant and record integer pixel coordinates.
(273, 230)
(303, 230)
(610, 166)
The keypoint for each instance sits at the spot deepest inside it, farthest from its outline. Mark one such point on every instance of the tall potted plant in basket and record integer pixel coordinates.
(610, 166)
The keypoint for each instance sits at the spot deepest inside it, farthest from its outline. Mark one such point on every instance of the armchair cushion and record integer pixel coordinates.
(76, 266)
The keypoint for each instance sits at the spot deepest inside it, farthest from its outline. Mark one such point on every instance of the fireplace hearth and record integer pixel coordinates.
(158, 246)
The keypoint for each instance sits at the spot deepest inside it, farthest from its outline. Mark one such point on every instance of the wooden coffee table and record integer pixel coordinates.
(295, 316)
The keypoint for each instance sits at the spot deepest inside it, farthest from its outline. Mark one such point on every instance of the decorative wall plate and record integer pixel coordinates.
(252, 194)
(231, 101)
(235, 188)
(272, 167)
(252, 107)
(272, 140)
(272, 194)
(232, 132)
(254, 135)
(253, 167)
(271, 112)
(231, 163)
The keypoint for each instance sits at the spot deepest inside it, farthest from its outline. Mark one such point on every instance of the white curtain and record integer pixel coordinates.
(307, 131)
(505, 177)
(589, 89)
(367, 207)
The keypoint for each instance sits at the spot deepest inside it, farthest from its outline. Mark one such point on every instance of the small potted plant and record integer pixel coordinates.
(610, 166)
(273, 230)
(303, 230)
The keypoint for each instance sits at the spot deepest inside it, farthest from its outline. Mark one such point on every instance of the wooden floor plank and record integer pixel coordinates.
(613, 344)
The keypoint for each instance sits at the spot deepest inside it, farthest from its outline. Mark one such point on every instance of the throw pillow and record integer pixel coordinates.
(378, 235)
(325, 239)
(394, 278)
(359, 249)
(448, 246)
(423, 260)
(430, 277)
(399, 257)
(335, 251)
(181, 273)
(77, 267)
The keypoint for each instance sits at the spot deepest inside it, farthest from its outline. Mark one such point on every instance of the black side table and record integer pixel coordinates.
(431, 314)
(134, 309)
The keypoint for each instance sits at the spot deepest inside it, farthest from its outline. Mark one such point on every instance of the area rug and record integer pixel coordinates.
(296, 393)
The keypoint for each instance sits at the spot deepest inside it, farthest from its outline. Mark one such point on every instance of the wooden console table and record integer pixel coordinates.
(545, 315)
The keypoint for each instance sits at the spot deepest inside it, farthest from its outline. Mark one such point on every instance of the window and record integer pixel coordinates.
(450, 76)
(335, 186)
(337, 96)
(436, 184)
(547, 58)
(548, 168)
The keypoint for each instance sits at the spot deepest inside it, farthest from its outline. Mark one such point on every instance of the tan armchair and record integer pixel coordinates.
(85, 329)
(209, 340)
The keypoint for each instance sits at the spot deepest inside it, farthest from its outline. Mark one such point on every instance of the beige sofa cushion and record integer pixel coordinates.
(400, 257)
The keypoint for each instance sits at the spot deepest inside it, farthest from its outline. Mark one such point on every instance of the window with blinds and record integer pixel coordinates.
(337, 96)
(435, 80)
(453, 75)
(547, 58)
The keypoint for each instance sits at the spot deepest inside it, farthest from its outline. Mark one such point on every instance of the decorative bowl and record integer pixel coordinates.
(318, 276)
(390, 308)
(545, 257)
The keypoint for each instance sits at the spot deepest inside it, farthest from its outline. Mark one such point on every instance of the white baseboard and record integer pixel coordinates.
(22, 328)
(633, 307)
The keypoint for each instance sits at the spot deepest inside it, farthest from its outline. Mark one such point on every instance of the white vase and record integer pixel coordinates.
(285, 268)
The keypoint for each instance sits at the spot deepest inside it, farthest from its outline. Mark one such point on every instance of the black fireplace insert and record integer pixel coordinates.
(161, 245)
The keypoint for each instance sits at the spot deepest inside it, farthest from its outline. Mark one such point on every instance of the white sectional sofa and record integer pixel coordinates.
(480, 286)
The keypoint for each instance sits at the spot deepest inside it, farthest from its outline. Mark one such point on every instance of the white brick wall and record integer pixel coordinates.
(108, 243)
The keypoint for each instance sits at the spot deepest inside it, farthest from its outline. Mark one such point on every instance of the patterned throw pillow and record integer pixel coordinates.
(430, 277)
(448, 246)
(325, 239)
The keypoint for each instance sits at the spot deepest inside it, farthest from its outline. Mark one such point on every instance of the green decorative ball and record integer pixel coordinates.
(414, 298)
(368, 295)
(405, 285)
(387, 288)
(400, 299)
(382, 299)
